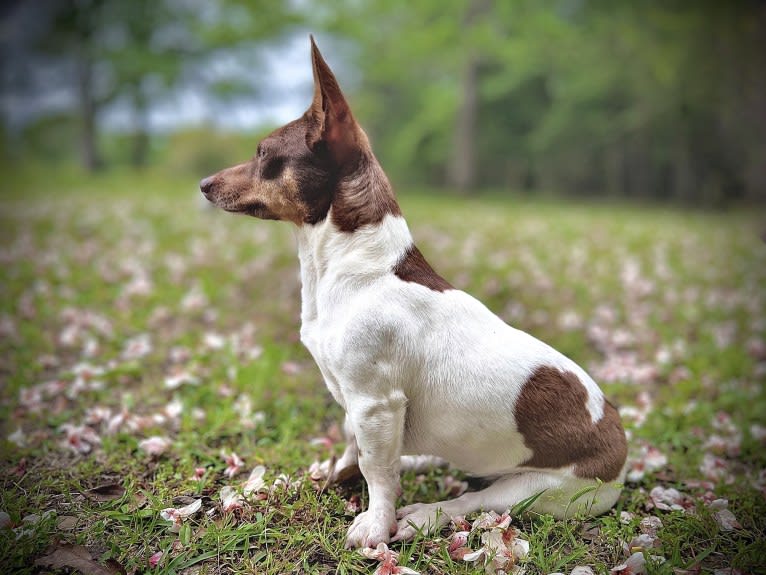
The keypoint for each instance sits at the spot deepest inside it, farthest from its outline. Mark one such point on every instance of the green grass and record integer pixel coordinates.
(89, 264)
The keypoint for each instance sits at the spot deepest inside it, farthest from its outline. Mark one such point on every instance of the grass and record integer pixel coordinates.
(128, 274)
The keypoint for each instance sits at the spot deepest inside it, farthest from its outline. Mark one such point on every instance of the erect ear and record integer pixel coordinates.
(332, 124)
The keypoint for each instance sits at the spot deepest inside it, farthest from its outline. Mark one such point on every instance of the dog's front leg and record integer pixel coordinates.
(378, 424)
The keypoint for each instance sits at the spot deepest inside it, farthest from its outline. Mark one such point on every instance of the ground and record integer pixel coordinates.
(149, 358)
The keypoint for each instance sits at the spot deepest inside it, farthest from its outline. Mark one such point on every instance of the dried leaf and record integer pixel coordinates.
(108, 492)
(79, 558)
(67, 522)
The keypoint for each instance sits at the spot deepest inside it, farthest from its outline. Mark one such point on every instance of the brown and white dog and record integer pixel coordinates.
(425, 372)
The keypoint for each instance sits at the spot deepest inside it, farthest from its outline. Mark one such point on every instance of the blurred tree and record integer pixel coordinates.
(73, 32)
(655, 98)
(136, 52)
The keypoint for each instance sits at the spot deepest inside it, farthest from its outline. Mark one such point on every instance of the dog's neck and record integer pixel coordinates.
(361, 239)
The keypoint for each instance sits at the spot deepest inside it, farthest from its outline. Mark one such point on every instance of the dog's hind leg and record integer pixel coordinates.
(346, 467)
(559, 497)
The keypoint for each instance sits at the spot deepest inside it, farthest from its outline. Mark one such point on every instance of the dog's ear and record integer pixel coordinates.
(332, 124)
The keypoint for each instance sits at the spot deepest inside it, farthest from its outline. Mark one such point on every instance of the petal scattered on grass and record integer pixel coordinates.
(255, 482)
(18, 437)
(650, 525)
(233, 464)
(80, 438)
(501, 547)
(177, 515)
(231, 500)
(155, 559)
(723, 516)
(635, 565)
(155, 445)
(458, 547)
(388, 561)
(668, 499)
(582, 570)
(199, 473)
(648, 460)
(137, 347)
(179, 377)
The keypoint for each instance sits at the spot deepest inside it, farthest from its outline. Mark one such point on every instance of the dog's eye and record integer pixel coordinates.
(261, 152)
(272, 167)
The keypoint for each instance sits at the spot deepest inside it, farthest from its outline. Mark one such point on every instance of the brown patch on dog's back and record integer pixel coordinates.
(552, 415)
(413, 267)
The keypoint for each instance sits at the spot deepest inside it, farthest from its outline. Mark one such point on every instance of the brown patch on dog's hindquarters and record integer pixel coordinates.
(413, 267)
(552, 415)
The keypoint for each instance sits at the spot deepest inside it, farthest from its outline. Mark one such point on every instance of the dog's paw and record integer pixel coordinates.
(333, 471)
(422, 518)
(370, 528)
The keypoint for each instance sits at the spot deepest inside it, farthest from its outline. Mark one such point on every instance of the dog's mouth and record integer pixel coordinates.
(260, 210)
(254, 209)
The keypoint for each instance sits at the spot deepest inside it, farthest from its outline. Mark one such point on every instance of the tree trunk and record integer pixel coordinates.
(140, 130)
(461, 172)
(89, 154)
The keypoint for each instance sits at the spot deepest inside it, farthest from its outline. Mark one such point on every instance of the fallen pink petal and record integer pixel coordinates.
(198, 475)
(178, 515)
(80, 438)
(155, 445)
(635, 565)
(723, 516)
(233, 464)
(231, 500)
(255, 481)
(668, 499)
(388, 561)
(155, 559)
(650, 525)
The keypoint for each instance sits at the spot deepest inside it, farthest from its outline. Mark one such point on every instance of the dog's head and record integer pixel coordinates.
(296, 168)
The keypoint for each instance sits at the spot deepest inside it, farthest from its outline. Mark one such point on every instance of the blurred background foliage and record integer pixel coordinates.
(640, 99)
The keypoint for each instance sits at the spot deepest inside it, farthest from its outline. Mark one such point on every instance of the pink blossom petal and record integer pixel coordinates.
(233, 464)
(177, 515)
(715, 469)
(155, 559)
(642, 542)
(490, 520)
(137, 347)
(723, 516)
(291, 368)
(230, 499)
(180, 377)
(650, 525)
(457, 547)
(388, 559)
(80, 438)
(668, 499)
(155, 445)
(18, 437)
(255, 481)
(626, 517)
(199, 473)
(635, 565)
(758, 432)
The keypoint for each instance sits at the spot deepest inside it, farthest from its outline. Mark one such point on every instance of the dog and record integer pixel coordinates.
(426, 374)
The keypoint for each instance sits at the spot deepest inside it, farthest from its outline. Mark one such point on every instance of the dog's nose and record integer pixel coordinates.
(206, 185)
